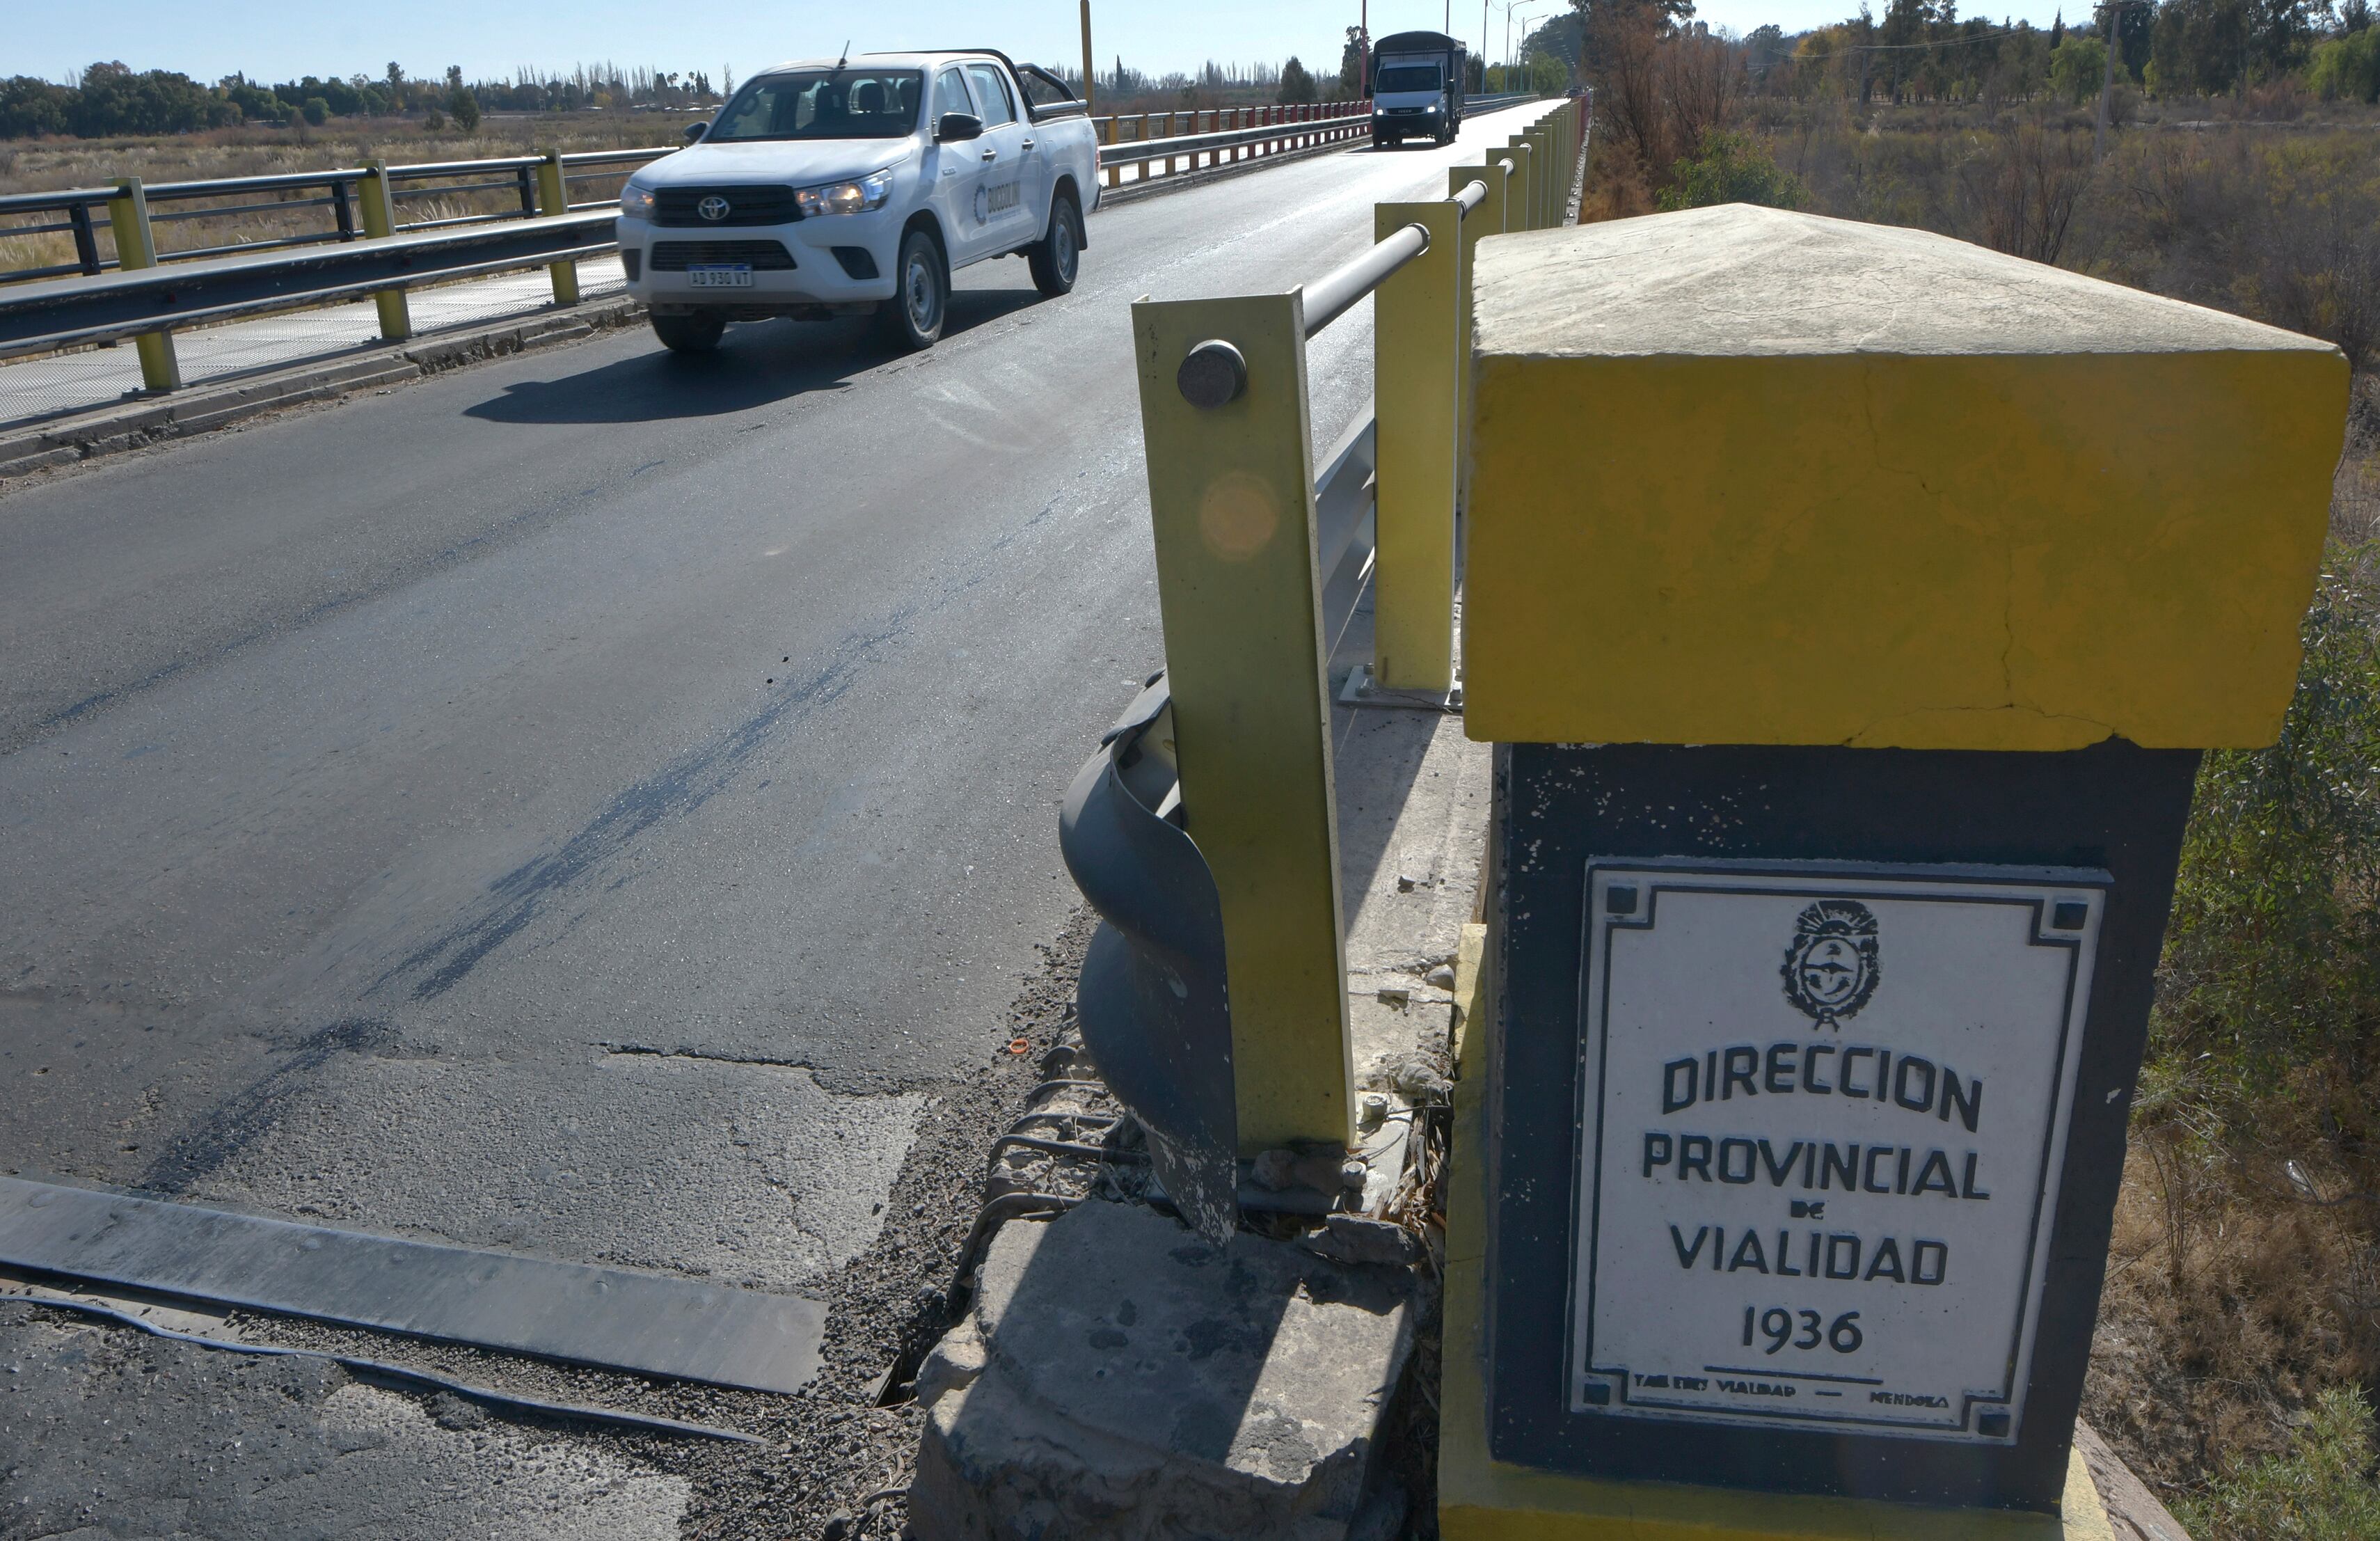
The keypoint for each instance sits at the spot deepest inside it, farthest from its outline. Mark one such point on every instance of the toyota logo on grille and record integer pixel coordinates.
(713, 207)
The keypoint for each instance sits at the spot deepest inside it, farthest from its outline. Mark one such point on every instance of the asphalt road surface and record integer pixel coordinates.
(585, 803)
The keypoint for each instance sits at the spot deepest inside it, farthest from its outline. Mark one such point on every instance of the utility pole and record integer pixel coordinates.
(2107, 86)
(1364, 48)
(1090, 100)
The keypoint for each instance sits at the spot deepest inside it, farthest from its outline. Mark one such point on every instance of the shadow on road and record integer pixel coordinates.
(759, 362)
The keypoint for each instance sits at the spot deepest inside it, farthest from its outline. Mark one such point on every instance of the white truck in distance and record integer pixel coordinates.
(1417, 88)
(840, 187)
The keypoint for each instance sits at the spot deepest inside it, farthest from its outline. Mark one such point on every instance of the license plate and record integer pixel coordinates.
(721, 276)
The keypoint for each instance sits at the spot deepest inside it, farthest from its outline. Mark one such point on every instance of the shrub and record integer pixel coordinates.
(2271, 958)
(2321, 1490)
(1732, 167)
(316, 110)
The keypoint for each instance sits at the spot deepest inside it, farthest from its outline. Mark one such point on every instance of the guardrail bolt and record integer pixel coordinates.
(1213, 374)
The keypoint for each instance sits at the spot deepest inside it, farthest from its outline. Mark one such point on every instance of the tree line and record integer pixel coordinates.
(1925, 50)
(111, 100)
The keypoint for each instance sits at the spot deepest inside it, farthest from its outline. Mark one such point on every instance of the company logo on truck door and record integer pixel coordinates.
(996, 200)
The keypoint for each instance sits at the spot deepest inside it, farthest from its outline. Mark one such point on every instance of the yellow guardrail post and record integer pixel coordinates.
(1541, 140)
(380, 223)
(1521, 212)
(136, 246)
(553, 198)
(1415, 391)
(1231, 494)
(1486, 220)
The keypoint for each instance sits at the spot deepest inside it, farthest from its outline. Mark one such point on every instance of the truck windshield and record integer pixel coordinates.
(1407, 78)
(822, 105)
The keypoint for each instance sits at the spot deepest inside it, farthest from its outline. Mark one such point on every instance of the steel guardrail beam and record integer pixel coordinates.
(41, 317)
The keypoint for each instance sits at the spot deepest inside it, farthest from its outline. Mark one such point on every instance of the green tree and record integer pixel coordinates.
(2347, 68)
(1351, 67)
(1296, 85)
(461, 102)
(30, 105)
(113, 99)
(1732, 167)
(2077, 68)
(316, 110)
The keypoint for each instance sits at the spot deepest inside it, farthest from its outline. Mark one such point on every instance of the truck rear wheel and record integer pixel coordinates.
(698, 332)
(1058, 255)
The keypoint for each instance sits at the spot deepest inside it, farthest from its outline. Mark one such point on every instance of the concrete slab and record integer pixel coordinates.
(1118, 1377)
(1916, 535)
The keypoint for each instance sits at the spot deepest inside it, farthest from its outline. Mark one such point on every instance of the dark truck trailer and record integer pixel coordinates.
(1417, 88)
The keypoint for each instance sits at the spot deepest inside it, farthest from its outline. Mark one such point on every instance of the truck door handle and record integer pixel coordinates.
(992, 154)
(1028, 144)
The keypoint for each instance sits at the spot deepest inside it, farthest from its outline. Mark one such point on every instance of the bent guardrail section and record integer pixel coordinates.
(1261, 566)
(1151, 1001)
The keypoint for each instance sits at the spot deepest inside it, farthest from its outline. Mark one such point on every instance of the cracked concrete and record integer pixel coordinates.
(773, 1182)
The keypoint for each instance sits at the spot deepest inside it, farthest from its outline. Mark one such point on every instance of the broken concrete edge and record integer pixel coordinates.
(1116, 1375)
(130, 425)
(1481, 1498)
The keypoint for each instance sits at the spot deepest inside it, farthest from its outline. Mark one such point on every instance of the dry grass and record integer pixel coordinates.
(44, 165)
(2232, 1298)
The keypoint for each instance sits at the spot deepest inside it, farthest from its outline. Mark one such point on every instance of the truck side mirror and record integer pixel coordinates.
(956, 126)
(694, 130)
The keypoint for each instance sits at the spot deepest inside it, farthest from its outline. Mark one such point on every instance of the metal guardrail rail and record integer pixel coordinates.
(341, 190)
(142, 292)
(57, 313)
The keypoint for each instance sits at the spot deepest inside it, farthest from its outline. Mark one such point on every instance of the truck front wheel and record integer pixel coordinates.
(911, 318)
(698, 332)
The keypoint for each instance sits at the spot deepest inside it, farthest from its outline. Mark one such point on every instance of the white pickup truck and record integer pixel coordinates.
(835, 186)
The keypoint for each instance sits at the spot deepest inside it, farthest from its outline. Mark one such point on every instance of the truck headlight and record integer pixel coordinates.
(846, 198)
(637, 202)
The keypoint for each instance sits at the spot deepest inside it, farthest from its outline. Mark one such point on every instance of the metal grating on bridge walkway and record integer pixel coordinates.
(617, 1319)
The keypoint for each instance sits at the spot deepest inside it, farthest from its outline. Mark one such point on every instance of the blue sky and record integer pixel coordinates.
(283, 38)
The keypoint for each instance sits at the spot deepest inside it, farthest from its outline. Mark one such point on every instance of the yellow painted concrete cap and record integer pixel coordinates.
(1741, 475)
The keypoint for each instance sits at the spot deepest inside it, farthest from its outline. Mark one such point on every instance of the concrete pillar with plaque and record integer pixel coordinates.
(1850, 607)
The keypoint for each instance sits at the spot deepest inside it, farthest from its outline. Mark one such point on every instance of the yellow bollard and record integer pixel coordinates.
(553, 198)
(135, 247)
(1232, 502)
(380, 223)
(1415, 389)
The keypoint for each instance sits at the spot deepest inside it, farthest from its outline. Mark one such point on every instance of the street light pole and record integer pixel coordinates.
(1091, 102)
